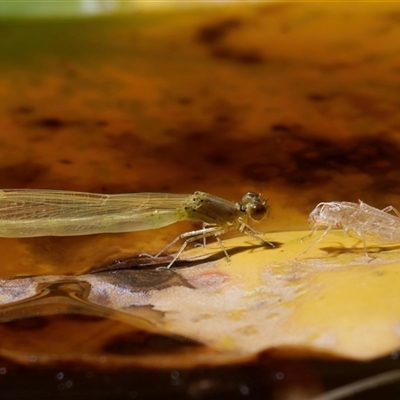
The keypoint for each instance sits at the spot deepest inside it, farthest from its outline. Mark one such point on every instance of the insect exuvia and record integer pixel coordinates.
(359, 217)
(30, 213)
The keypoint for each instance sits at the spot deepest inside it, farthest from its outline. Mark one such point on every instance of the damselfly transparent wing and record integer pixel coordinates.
(27, 213)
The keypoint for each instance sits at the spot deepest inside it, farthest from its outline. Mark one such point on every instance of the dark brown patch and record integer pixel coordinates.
(317, 97)
(222, 118)
(27, 324)
(22, 175)
(245, 56)
(361, 155)
(145, 343)
(249, 56)
(24, 110)
(374, 156)
(212, 33)
(65, 161)
(285, 128)
(184, 101)
(218, 159)
(102, 122)
(213, 36)
(84, 318)
(393, 16)
(293, 157)
(51, 123)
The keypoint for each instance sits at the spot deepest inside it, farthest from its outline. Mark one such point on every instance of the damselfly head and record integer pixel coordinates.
(255, 206)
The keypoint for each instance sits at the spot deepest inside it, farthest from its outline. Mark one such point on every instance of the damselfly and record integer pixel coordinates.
(30, 213)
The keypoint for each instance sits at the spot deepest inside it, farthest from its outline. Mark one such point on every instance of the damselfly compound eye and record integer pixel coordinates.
(255, 206)
(258, 211)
